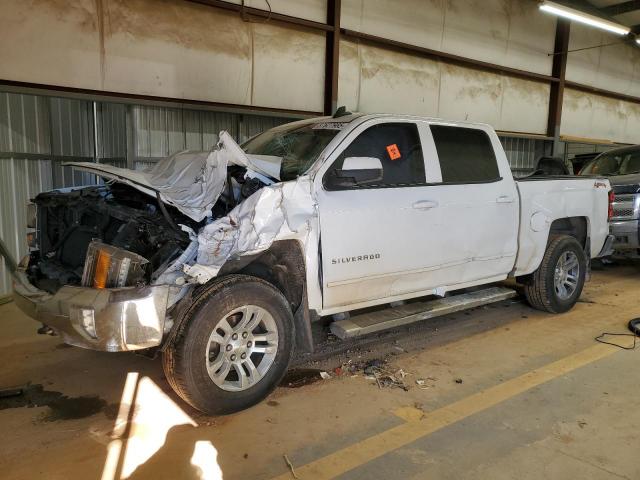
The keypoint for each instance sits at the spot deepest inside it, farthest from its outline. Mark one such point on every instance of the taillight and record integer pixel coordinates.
(612, 198)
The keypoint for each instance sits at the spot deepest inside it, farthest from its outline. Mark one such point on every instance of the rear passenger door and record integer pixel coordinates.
(376, 239)
(478, 199)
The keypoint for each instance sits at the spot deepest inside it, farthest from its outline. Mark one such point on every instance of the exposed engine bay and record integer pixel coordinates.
(180, 221)
(117, 215)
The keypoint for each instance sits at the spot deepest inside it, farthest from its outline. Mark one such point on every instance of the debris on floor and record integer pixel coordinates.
(384, 375)
(300, 377)
(426, 383)
(290, 465)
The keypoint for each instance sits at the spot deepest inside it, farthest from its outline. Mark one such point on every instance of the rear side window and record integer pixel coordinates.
(466, 155)
(398, 147)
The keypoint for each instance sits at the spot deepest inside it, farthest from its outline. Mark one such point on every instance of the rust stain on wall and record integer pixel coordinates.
(477, 83)
(294, 44)
(533, 93)
(348, 51)
(397, 69)
(82, 12)
(193, 26)
(100, 21)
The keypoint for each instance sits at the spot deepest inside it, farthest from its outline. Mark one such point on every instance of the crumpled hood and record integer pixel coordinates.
(189, 181)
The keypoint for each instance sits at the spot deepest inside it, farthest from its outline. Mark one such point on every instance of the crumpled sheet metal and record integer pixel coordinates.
(275, 212)
(190, 181)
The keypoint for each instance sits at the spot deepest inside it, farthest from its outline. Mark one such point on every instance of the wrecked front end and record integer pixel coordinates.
(92, 273)
(110, 263)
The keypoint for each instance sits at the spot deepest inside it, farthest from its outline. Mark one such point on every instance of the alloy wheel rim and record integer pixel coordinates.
(566, 275)
(242, 348)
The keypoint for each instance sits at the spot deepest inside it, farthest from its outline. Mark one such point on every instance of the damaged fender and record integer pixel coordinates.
(276, 212)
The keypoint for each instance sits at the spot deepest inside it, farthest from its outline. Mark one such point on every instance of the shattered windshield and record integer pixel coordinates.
(614, 163)
(298, 145)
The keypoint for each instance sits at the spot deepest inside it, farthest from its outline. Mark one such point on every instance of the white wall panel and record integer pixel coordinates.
(593, 116)
(416, 22)
(614, 67)
(51, 42)
(164, 48)
(512, 33)
(288, 68)
(378, 80)
(525, 106)
(178, 50)
(315, 10)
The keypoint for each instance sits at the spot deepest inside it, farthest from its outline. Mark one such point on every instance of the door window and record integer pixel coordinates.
(466, 155)
(396, 145)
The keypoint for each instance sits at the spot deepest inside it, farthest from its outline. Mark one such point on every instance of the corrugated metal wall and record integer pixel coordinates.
(523, 153)
(160, 131)
(36, 135)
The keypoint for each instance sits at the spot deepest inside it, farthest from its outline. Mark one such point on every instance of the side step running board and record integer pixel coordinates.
(414, 312)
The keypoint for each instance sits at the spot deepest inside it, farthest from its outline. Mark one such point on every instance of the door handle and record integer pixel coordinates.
(504, 199)
(424, 204)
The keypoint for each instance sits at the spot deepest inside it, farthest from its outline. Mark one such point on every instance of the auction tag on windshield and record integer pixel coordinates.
(328, 126)
(393, 151)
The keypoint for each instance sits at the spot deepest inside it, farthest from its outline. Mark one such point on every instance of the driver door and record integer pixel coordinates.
(378, 240)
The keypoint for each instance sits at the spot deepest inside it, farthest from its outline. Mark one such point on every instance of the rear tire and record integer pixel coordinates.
(551, 288)
(217, 328)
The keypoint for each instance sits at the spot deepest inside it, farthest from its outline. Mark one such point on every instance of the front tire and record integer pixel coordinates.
(234, 347)
(557, 284)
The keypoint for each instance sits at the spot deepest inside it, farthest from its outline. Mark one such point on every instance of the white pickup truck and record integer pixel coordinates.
(221, 260)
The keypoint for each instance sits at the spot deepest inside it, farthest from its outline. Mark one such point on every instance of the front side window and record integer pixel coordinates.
(397, 146)
(466, 155)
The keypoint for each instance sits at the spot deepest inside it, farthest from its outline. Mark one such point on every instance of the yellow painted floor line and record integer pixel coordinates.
(418, 426)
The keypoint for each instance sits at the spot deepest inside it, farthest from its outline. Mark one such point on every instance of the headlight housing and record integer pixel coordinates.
(107, 266)
(31, 215)
(32, 232)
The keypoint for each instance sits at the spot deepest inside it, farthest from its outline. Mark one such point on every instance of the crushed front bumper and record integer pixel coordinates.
(110, 319)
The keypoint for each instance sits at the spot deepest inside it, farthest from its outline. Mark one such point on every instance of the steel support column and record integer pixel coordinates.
(559, 69)
(332, 57)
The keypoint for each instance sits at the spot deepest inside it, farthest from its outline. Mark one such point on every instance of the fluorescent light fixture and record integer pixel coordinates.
(581, 17)
(638, 41)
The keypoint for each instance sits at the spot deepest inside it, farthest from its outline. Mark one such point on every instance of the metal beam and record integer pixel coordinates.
(265, 15)
(119, 97)
(558, 70)
(445, 57)
(332, 57)
(620, 8)
(599, 91)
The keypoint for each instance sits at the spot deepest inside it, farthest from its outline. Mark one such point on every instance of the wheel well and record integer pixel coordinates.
(283, 266)
(576, 227)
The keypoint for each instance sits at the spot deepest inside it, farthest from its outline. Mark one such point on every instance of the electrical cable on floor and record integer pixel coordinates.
(634, 326)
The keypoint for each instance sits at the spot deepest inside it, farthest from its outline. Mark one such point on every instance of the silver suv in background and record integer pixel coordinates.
(622, 167)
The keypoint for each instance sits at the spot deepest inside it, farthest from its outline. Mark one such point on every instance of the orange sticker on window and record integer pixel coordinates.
(393, 152)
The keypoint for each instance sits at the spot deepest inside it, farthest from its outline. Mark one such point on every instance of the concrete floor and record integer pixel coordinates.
(538, 398)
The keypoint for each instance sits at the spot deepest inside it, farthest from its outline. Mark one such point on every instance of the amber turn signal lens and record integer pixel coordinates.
(102, 269)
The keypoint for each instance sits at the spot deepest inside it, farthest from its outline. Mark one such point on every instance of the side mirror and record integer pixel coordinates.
(357, 171)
